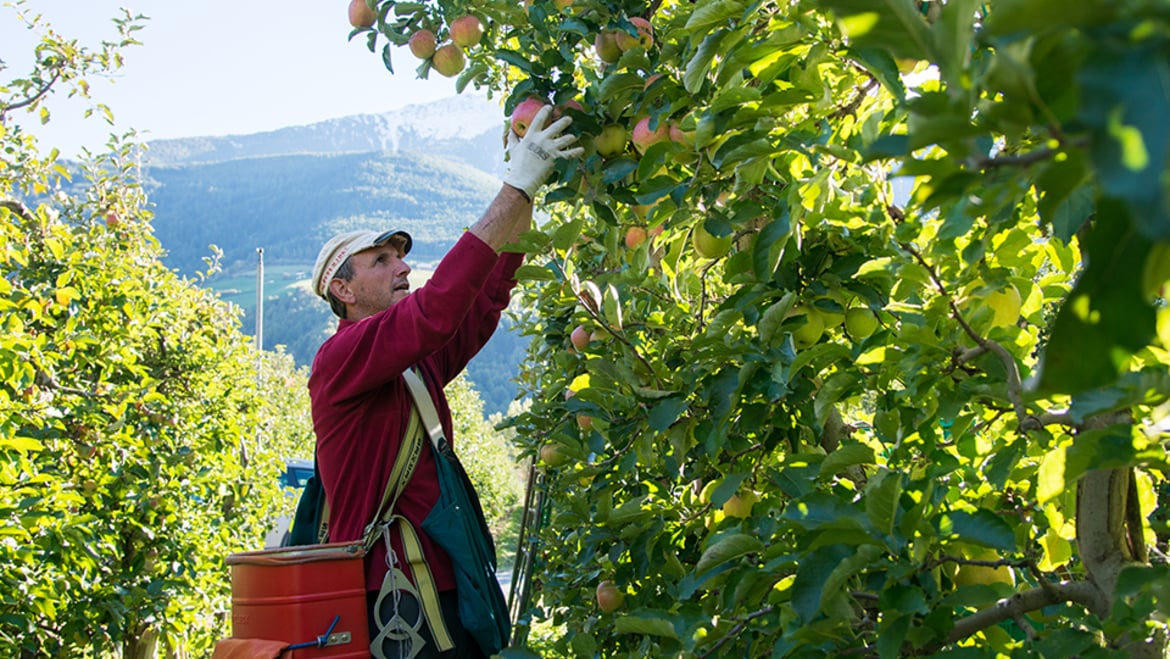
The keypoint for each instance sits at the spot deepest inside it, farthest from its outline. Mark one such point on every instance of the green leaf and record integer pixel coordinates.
(534, 273)
(728, 549)
(710, 15)
(648, 623)
(982, 527)
(1106, 318)
(952, 36)
(844, 457)
(700, 64)
(812, 573)
(894, 25)
(728, 485)
(666, 412)
(882, 493)
(1126, 102)
(514, 58)
(860, 559)
(882, 65)
(566, 234)
(1040, 15)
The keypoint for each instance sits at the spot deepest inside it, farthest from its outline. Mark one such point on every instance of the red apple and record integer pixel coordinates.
(611, 141)
(606, 45)
(609, 598)
(112, 220)
(523, 113)
(448, 60)
(645, 37)
(584, 422)
(680, 136)
(466, 31)
(635, 236)
(579, 337)
(422, 44)
(572, 104)
(644, 138)
(360, 14)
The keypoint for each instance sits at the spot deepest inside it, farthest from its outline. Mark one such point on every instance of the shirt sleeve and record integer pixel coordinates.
(369, 353)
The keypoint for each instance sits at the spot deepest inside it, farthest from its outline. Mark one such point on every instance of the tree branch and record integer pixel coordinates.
(17, 208)
(739, 627)
(35, 97)
(1015, 386)
(1084, 593)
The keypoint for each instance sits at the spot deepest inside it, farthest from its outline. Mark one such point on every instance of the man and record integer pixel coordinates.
(361, 403)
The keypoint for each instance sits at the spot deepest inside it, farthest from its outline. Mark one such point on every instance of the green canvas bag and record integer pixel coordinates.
(457, 524)
(310, 524)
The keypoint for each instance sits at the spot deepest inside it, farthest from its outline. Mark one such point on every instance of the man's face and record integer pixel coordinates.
(379, 280)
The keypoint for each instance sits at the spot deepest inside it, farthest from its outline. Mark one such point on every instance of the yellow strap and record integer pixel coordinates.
(425, 582)
(407, 459)
(425, 405)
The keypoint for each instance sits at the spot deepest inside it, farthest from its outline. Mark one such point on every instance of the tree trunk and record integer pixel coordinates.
(1109, 536)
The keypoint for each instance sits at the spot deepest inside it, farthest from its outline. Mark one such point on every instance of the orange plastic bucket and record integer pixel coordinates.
(295, 594)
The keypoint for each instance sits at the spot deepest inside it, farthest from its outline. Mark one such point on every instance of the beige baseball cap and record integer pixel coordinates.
(342, 246)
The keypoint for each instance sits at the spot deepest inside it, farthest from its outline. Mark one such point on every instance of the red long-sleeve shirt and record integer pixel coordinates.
(361, 403)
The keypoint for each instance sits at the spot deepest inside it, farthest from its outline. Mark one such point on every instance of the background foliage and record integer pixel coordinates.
(141, 434)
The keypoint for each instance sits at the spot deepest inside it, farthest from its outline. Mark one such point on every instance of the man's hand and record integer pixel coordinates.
(531, 159)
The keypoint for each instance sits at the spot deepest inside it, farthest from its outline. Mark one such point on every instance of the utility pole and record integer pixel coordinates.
(259, 299)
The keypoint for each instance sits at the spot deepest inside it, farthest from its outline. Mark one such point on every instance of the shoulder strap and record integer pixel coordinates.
(426, 407)
(408, 455)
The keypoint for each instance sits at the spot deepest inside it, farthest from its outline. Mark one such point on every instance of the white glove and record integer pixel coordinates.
(531, 158)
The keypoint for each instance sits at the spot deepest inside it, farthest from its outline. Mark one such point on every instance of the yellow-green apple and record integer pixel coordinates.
(466, 31)
(967, 575)
(708, 245)
(605, 43)
(609, 597)
(422, 44)
(360, 14)
(448, 60)
(579, 337)
(644, 137)
(740, 504)
(635, 236)
(611, 141)
(860, 322)
(523, 113)
(562, 4)
(552, 455)
(812, 329)
(645, 37)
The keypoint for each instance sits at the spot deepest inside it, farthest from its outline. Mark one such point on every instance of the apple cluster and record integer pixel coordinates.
(446, 58)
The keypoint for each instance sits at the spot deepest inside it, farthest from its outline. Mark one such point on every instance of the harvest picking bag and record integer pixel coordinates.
(457, 524)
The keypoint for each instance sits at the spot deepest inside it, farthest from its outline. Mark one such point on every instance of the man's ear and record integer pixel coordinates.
(341, 290)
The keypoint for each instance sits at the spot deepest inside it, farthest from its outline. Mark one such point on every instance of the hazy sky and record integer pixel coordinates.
(217, 67)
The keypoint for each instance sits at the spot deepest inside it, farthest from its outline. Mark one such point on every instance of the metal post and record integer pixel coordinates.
(259, 299)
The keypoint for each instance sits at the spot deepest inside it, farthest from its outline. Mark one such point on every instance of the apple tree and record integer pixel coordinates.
(131, 431)
(876, 359)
